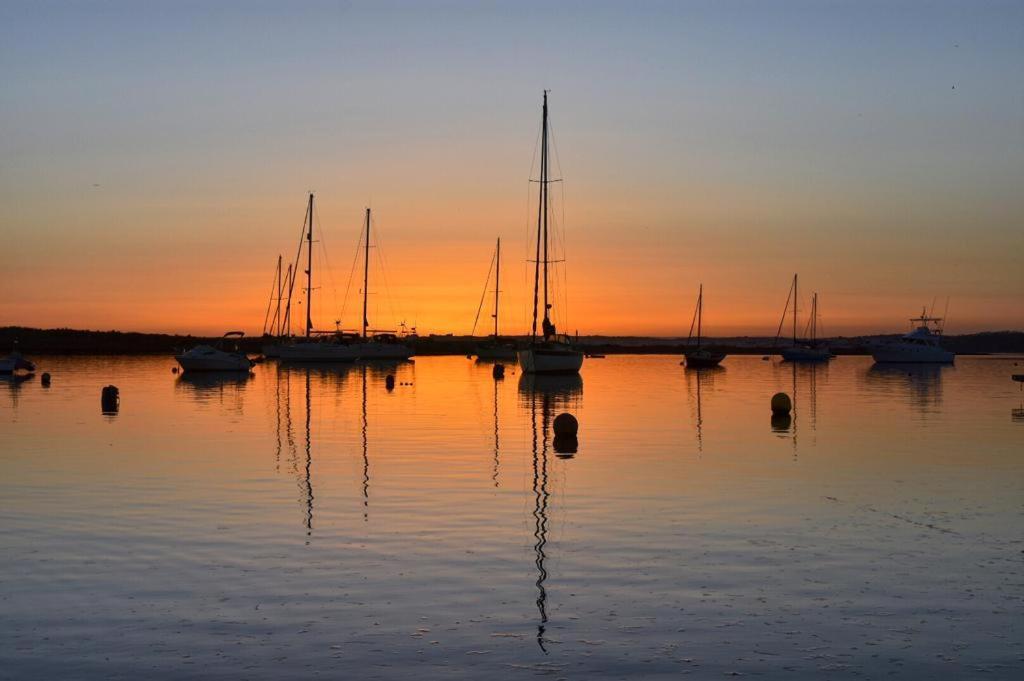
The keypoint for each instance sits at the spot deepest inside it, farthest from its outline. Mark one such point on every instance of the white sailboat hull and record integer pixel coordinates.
(207, 358)
(319, 352)
(906, 353)
(550, 360)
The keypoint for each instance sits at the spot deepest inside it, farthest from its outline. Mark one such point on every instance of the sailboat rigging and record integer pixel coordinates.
(494, 348)
(700, 357)
(551, 353)
(810, 349)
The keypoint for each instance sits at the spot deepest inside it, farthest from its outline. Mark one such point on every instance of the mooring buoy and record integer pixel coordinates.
(498, 371)
(566, 424)
(781, 404)
(389, 382)
(45, 380)
(110, 399)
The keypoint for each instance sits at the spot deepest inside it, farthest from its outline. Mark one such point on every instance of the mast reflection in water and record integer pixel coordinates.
(544, 394)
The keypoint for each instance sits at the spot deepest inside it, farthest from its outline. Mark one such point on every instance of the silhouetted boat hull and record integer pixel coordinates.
(806, 354)
(319, 352)
(15, 362)
(489, 351)
(703, 359)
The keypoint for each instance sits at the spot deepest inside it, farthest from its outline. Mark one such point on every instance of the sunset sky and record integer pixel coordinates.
(155, 159)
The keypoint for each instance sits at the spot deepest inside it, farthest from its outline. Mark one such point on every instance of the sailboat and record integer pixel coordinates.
(375, 344)
(699, 356)
(276, 326)
(494, 348)
(809, 350)
(15, 362)
(336, 347)
(551, 353)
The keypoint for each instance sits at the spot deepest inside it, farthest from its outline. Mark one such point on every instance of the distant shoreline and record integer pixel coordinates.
(83, 342)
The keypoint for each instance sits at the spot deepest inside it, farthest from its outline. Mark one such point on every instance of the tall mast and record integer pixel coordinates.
(497, 284)
(794, 309)
(814, 317)
(309, 269)
(700, 311)
(366, 271)
(544, 209)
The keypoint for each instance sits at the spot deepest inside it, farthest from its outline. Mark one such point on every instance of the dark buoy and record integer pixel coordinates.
(566, 424)
(45, 380)
(389, 382)
(498, 371)
(566, 446)
(781, 404)
(174, 370)
(781, 422)
(110, 399)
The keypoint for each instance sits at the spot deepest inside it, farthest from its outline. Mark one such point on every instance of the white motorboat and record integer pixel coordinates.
(809, 349)
(550, 353)
(14, 363)
(922, 345)
(226, 356)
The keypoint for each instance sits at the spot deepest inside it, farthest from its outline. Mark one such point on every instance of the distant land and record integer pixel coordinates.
(80, 342)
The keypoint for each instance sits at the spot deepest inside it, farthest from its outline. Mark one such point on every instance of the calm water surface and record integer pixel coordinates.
(307, 522)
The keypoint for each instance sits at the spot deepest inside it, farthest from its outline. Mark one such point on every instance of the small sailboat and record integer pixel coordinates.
(810, 349)
(922, 345)
(700, 357)
(14, 363)
(225, 356)
(332, 347)
(550, 353)
(277, 320)
(494, 348)
(376, 344)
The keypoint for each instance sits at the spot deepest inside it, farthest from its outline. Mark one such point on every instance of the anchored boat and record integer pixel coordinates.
(549, 353)
(699, 356)
(921, 345)
(494, 348)
(810, 349)
(224, 356)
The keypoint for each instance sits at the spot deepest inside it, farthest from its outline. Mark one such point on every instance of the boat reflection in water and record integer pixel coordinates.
(699, 379)
(803, 393)
(921, 383)
(544, 395)
(226, 388)
(300, 465)
(13, 383)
